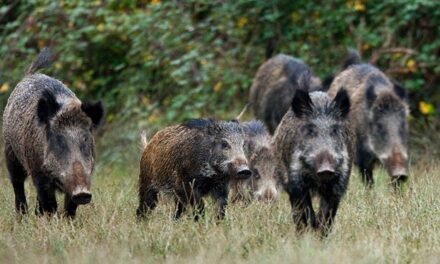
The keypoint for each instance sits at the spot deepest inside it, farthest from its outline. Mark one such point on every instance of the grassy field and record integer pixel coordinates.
(371, 226)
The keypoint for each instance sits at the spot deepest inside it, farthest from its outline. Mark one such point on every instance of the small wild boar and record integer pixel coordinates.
(379, 116)
(314, 149)
(48, 135)
(274, 86)
(191, 160)
(258, 150)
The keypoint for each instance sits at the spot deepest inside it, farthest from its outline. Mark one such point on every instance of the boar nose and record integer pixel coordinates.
(399, 174)
(81, 195)
(396, 165)
(244, 172)
(326, 165)
(267, 194)
(78, 185)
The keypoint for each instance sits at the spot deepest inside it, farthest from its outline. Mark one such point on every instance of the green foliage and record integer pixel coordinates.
(165, 61)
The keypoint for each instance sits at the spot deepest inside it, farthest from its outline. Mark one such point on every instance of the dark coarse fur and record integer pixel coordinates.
(47, 134)
(258, 150)
(352, 57)
(379, 115)
(274, 86)
(191, 160)
(313, 134)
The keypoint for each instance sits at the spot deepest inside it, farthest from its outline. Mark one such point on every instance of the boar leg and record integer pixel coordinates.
(220, 194)
(327, 211)
(69, 206)
(17, 174)
(46, 200)
(199, 209)
(147, 201)
(365, 161)
(180, 206)
(302, 209)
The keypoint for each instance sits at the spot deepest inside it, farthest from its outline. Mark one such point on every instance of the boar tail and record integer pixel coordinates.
(144, 140)
(353, 57)
(43, 60)
(243, 111)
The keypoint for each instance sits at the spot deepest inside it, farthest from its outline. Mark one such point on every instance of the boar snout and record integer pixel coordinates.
(395, 165)
(78, 185)
(267, 194)
(81, 196)
(325, 166)
(244, 172)
(240, 168)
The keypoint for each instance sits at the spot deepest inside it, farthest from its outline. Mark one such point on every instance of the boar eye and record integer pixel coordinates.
(225, 144)
(335, 130)
(309, 130)
(380, 129)
(58, 145)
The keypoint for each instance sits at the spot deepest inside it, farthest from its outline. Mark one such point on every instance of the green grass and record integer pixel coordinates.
(371, 226)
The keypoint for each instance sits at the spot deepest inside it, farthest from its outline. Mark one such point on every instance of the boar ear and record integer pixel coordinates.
(301, 103)
(370, 96)
(342, 102)
(95, 111)
(47, 107)
(399, 90)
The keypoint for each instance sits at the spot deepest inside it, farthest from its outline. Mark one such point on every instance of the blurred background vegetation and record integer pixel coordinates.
(158, 62)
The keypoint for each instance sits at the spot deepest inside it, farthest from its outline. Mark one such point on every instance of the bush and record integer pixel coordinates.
(165, 61)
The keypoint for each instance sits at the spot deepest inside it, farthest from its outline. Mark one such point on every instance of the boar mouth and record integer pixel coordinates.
(398, 179)
(326, 175)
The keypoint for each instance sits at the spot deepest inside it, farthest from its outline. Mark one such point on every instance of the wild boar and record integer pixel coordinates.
(274, 86)
(314, 149)
(379, 114)
(48, 135)
(192, 160)
(262, 185)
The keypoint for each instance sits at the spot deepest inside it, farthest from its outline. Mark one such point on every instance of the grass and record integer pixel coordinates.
(371, 226)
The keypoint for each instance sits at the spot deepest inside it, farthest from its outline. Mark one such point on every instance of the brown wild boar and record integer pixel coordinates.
(274, 86)
(192, 160)
(379, 115)
(314, 148)
(48, 135)
(262, 185)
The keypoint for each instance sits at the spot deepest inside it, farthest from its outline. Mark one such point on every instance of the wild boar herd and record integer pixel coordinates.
(305, 138)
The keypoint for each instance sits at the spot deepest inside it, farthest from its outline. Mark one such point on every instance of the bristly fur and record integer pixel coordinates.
(305, 133)
(274, 86)
(388, 102)
(352, 58)
(43, 60)
(213, 126)
(198, 123)
(49, 138)
(72, 116)
(379, 111)
(254, 128)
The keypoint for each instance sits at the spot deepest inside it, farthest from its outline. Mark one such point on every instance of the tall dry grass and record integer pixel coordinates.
(371, 226)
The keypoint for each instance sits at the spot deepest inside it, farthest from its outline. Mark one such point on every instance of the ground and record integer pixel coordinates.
(372, 226)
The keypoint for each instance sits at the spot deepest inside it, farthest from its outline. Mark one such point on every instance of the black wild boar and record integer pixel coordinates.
(258, 150)
(191, 160)
(314, 149)
(274, 86)
(48, 135)
(379, 115)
